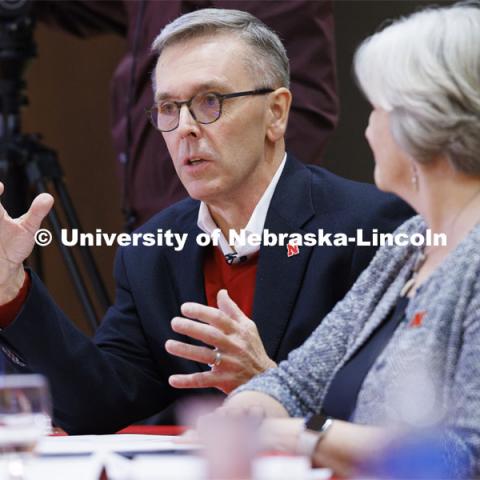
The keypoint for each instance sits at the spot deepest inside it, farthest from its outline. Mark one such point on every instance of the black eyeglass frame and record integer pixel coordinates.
(221, 99)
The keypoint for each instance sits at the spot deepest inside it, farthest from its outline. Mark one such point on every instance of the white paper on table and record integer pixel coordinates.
(121, 443)
(58, 468)
(159, 467)
(320, 474)
(189, 467)
(286, 468)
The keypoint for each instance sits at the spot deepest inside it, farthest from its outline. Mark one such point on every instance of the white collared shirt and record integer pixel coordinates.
(255, 224)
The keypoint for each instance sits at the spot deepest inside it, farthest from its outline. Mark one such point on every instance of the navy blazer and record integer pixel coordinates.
(122, 375)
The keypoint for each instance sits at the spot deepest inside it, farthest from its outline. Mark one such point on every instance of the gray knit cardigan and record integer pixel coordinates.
(429, 372)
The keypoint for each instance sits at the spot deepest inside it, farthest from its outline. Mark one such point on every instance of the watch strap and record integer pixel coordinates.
(315, 428)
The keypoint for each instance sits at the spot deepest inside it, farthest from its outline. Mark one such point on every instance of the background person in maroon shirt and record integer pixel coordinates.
(149, 180)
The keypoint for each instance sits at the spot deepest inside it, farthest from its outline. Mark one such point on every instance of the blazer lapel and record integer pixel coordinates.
(186, 268)
(279, 276)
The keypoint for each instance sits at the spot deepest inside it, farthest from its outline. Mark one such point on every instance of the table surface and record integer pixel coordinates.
(85, 468)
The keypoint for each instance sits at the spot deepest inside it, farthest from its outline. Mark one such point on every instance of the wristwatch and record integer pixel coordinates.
(315, 428)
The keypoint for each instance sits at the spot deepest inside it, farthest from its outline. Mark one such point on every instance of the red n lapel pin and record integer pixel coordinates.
(417, 319)
(292, 249)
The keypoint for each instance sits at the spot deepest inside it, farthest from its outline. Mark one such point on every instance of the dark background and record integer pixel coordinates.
(68, 88)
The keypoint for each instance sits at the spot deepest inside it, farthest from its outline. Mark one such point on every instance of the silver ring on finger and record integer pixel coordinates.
(217, 360)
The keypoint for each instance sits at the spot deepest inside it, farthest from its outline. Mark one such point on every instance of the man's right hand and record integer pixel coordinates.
(17, 239)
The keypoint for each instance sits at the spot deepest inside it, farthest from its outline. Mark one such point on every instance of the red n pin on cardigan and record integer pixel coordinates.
(417, 319)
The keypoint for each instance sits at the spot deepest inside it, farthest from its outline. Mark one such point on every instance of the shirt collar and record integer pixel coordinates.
(255, 224)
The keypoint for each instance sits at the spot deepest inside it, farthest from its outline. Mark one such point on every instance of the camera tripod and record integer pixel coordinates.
(27, 167)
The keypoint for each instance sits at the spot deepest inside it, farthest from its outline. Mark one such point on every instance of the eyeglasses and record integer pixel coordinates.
(205, 108)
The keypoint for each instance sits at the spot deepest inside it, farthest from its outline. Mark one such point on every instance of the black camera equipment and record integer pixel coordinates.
(26, 166)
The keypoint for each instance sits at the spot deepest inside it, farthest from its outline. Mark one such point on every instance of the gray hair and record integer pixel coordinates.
(425, 70)
(270, 62)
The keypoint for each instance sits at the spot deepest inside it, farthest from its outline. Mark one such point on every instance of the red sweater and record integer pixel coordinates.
(237, 278)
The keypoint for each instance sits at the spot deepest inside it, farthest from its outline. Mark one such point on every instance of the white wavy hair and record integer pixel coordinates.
(425, 70)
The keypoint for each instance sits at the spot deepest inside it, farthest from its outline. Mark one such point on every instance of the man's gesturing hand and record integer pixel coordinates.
(17, 238)
(231, 333)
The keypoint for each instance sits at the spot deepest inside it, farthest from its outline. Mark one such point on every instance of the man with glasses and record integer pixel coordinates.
(148, 179)
(205, 316)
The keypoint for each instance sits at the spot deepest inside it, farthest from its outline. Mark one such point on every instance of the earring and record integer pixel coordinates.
(414, 177)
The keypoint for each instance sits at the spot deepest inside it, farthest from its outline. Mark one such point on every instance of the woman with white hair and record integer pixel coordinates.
(402, 350)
